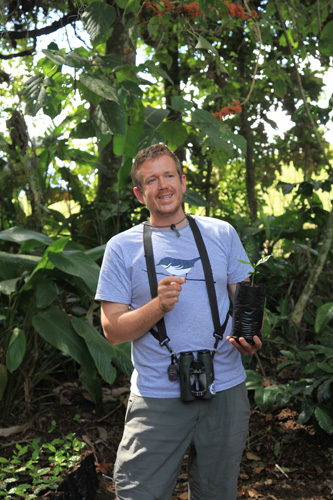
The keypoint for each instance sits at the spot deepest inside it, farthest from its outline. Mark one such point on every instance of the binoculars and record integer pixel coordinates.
(196, 376)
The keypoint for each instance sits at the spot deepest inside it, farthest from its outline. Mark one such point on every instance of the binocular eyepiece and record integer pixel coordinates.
(196, 376)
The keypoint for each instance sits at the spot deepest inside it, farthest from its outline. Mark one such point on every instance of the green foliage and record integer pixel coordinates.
(53, 295)
(310, 392)
(64, 192)
(263, 259)
(36, 468)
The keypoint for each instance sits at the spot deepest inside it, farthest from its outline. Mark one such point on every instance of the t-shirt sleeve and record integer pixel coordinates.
(237, 271)
(114, 284)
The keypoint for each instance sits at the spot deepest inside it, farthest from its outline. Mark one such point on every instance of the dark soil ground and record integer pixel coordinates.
(282, 460)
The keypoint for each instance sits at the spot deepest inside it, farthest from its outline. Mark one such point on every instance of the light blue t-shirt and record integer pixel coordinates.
(189, 325)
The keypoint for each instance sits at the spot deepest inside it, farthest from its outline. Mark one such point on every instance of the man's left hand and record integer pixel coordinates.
(244, 347)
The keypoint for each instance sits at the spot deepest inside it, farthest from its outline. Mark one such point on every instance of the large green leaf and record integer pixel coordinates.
(204, 44)
(326, 40)
(122, 358)
(265, 397)
(8, 287)
(72, 59)
(124, 173)
(46, 293)
(16, 349)
(78, 264)
(126, 145)
(55, 327)
(99, 85)
(97, 252)
(324, 316)
(202, 119)
(99, 348)
(110, 118)
(253, 380)
(175, 133)
(13, 265)
(35, 92)
(97, 19)
(193, 198)
(45, 263)
(93, 386)
(18, 235)
(155, 70)
(325, 420)
(155, 116)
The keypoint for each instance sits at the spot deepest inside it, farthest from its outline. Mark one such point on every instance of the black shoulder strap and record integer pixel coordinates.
(219, 330)
(161, 334)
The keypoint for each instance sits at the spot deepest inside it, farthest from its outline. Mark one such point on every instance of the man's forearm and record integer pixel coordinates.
(123, 325)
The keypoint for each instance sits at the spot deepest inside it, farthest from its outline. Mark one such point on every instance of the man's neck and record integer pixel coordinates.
(170, 222)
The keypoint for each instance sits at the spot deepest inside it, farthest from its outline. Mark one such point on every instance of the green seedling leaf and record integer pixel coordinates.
(254, 266)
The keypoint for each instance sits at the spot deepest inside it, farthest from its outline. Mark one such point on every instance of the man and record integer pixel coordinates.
(159, 426)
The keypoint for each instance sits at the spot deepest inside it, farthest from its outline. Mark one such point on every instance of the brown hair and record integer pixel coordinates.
(149, 153)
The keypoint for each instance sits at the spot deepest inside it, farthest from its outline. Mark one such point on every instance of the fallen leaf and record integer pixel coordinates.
(243, 476)
(87, 440)
(318, 469)
(257, 470)
(253, 493)
(241, 494)
(103, 433)
(184, 496)
(252, 456)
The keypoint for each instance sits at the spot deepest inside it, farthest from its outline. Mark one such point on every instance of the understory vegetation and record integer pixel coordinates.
(205, 78)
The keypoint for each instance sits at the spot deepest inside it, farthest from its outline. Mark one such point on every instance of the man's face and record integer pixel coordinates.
(161, 188)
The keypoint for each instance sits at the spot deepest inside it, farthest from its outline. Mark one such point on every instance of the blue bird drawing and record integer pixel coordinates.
(177, 267)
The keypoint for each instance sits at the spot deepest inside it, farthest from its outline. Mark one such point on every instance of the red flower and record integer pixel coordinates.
(234, 109)
(191, 10)
(238, 11)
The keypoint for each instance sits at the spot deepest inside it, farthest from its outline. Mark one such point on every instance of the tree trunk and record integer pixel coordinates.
(295, 317)
(117, 44)
(245, 131)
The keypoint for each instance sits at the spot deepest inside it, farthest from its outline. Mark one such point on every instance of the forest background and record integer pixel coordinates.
(205, 78)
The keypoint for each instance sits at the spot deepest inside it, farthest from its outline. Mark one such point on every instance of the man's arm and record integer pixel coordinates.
(243, 346)
(123, 325)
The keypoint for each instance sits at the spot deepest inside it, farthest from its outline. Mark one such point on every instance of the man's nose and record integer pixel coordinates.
(162, 183)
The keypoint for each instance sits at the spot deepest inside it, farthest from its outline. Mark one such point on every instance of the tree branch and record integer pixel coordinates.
(300, 87)
(11, 36)
(24, 53)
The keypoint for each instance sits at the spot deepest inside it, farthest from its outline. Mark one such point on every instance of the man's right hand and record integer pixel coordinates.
(168, 292)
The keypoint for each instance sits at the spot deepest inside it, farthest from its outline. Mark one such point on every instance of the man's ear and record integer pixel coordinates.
(139, 195)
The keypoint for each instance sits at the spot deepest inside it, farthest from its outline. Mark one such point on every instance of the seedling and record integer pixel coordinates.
(263, 259)
(34, 468)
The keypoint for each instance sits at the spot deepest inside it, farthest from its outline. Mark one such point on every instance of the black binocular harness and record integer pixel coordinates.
(161, 334)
